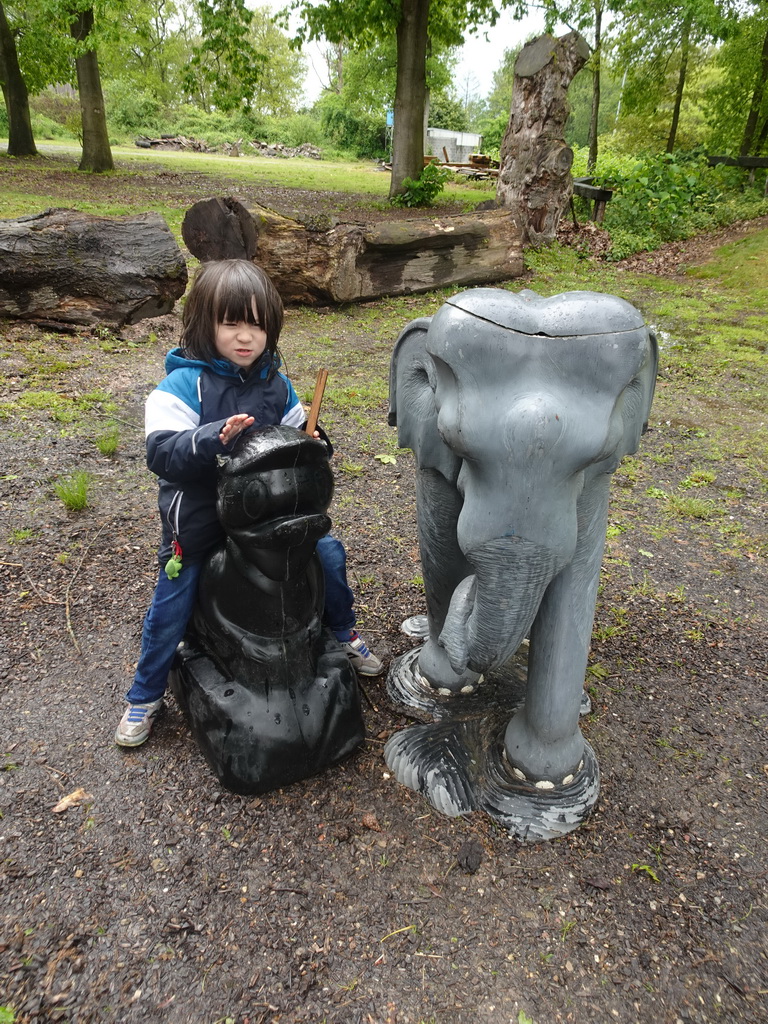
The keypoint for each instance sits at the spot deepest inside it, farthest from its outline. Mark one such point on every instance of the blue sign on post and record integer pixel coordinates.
(390, 118)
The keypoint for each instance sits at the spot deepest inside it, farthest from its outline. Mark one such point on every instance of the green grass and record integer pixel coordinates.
(247, 172)
(73, 491)
(109, 441)
(20, 536)
(740, 266)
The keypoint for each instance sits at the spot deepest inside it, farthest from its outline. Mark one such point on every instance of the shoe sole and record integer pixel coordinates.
(128, 741)
(365, 671)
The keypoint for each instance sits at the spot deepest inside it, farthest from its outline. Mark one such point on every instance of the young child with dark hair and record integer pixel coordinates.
(222, 381)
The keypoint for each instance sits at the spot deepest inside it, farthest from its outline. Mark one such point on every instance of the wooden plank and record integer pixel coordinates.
(586, 191)
(600, 196)
(738, 161)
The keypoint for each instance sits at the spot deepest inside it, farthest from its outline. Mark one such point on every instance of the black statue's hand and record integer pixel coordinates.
(320, 435)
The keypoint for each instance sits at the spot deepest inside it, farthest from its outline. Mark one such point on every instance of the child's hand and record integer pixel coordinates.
(235, 425)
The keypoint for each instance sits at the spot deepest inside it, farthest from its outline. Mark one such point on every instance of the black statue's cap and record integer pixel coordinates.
(277, 447)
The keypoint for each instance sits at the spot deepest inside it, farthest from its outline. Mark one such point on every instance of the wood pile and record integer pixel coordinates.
(173, 142)
(480, 166)
(277, 149)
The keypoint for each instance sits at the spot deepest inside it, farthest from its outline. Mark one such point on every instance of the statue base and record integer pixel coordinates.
(274, 729)
(456, 759)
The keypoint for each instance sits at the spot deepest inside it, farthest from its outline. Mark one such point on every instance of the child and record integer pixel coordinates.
(222, 381)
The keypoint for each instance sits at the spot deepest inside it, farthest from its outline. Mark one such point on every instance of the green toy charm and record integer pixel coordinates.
(173, 566)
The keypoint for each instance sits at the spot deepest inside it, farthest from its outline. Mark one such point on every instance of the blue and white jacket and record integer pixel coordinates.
(184, 416)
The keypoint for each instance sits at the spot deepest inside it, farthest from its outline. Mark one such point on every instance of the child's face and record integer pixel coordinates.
(240, 342)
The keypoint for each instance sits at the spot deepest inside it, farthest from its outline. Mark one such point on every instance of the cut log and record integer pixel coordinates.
(67, 267)
(534, 178)
(330, 263)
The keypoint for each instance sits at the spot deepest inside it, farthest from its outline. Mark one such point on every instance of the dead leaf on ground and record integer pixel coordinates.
(73, 799)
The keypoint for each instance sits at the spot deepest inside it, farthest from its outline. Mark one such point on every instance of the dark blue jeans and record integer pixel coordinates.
(173, 603)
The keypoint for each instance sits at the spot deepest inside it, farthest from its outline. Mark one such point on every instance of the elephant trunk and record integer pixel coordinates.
(489, 616)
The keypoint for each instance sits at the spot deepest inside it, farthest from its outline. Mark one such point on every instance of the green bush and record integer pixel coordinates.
(669, 196)
(294, 130)
(130, 109)
(360, 134)
(492, 130)
(45, 128)
(53, 115)
(425, 189)
(54, 105)
(214, 127)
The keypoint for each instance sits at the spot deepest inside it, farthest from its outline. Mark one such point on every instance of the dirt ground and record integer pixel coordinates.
(160, 897)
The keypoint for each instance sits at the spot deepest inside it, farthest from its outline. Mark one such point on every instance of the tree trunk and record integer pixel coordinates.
(65, 267)
(595, 112)
(685, 47)
(757, 101)
(21, 141)
(410, 94)
(97, 155)
(349, 262)
(534, 177)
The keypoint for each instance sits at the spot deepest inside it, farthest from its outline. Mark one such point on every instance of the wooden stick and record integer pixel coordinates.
(314, 412)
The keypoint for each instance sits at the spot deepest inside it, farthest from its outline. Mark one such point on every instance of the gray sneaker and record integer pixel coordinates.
(136, 724)
(364, 662)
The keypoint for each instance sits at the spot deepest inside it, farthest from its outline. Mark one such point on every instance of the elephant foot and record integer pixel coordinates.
(459, 767)
(407, 687)
(531, 812)
(437, 672)
(545, 762)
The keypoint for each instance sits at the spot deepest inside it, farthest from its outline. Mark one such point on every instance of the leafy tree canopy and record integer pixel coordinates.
(739, 65)
(367, 20)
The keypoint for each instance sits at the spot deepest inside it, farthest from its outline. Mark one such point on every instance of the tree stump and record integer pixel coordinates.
(331, 263)
(534, 178)
(64, 268)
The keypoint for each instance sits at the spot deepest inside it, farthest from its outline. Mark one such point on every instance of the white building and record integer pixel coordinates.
(457, 145)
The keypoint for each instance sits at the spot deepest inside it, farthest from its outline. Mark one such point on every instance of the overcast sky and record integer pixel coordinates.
(482, 53)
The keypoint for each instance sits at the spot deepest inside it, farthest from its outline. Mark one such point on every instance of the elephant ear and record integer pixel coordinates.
(648, 375)
(412, 406)
(638, 396)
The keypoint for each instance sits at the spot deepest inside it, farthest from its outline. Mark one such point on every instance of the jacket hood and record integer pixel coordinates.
(176, 359)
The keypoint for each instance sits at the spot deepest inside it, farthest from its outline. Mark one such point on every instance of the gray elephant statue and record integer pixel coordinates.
(518, 409)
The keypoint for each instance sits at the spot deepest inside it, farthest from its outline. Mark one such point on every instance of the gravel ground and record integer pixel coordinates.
(156, 896)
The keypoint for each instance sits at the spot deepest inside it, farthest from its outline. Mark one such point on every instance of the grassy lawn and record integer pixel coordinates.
(124, 191)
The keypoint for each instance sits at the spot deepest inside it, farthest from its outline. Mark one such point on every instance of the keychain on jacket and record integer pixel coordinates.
(173, 566)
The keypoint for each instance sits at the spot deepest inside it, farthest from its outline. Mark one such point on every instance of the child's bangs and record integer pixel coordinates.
(236, 300)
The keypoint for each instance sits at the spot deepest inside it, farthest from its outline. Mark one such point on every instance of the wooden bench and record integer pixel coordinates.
(750, 162)
(584, 188)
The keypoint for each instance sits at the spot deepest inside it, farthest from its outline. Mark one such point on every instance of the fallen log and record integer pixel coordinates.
(328, 262)
(67, 267)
